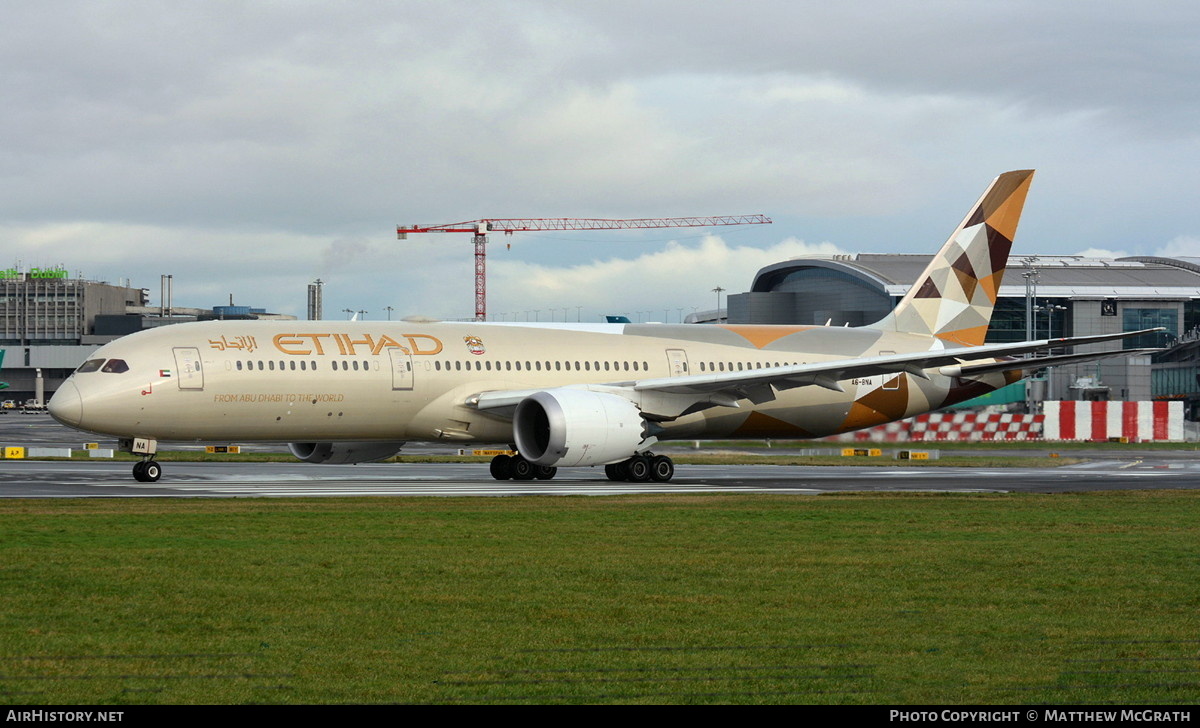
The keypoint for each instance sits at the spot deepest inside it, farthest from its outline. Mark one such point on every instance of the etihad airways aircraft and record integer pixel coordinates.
(564, 395)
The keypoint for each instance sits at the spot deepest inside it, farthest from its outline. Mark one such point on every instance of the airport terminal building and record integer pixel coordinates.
(1043, 296)
(50, 323)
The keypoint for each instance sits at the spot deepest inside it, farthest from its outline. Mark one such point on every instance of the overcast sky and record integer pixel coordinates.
(250, 147)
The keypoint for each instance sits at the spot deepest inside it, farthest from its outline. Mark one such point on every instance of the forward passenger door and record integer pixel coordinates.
(402, 368)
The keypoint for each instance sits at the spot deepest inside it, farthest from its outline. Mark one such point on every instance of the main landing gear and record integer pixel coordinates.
(637, 469)
(515, 467)
(642, 468)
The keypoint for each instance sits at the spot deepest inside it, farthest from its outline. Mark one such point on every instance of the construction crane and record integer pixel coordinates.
(479, 230)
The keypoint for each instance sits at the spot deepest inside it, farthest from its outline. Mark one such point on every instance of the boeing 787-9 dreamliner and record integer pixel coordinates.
(564, 395)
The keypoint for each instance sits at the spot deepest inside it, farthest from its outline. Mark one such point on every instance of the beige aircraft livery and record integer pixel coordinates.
(565, 395)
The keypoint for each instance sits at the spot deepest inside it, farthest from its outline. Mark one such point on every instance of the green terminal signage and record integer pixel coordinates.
(12, 274)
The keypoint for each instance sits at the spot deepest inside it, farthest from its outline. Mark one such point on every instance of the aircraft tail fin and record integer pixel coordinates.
(953, 299)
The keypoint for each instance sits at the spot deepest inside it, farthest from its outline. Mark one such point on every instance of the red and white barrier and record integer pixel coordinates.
(952, 426)
(1138, 421)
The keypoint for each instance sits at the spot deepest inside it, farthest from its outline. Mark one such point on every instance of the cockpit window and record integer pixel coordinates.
(115, 366)
(90, 365)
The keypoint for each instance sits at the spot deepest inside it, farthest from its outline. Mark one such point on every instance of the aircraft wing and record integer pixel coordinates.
(699, 391)
(1040, 362)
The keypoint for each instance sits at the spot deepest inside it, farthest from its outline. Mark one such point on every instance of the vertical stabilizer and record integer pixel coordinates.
(954, 297)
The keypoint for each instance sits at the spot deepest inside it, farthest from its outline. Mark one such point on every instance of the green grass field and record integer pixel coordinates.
(878, 599)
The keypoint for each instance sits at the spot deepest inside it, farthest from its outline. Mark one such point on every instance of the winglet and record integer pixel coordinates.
(953, 299)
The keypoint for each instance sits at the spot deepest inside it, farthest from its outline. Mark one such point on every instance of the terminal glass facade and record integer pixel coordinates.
(1148, 318)
(1009, 320)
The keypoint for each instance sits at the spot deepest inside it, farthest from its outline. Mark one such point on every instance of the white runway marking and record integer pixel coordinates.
(495, 488)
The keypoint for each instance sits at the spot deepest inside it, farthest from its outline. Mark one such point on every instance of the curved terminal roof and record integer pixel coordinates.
(1066, 276)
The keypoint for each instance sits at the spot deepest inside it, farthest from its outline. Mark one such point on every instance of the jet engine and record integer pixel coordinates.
(339, 453)
(567, 427)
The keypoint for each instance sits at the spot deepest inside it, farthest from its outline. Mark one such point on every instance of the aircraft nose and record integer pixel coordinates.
(66, 405)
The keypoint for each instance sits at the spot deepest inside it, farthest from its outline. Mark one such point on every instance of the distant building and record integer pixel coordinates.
(50, 324)
(1045, 296)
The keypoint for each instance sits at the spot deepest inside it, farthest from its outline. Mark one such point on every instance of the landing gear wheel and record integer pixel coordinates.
(501, 467)
(152, 471)
(638, 468)
(544, 472)
(147, 471)
(619, 471)
(662, 468)
(522, 469)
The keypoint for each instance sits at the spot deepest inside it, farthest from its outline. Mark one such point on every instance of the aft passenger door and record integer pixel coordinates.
(189, 373)
(402, 369)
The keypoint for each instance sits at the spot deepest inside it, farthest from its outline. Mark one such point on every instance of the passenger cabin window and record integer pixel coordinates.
(90, 365)
(115, 366)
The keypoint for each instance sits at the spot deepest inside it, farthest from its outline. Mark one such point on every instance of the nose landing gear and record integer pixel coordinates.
(147, 471)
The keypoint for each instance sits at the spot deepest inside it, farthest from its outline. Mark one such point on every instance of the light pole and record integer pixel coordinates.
(1050, 308)
(1030, 276)
(718, 290)
(389, 310)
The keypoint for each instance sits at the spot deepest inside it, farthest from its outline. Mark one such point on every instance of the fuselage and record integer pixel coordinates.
(396, 381)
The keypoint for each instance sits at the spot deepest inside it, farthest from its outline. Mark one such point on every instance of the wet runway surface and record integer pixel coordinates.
(1105, 470)
(79, 479)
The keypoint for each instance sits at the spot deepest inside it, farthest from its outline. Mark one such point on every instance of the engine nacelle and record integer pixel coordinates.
(340, 453)
(567, 427)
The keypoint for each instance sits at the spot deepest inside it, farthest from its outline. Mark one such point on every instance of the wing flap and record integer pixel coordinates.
(829, 374)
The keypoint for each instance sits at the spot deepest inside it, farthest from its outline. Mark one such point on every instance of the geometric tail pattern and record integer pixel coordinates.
(953, 299)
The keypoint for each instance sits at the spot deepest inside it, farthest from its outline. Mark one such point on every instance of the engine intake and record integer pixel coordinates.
(340, 453)
(568, 427)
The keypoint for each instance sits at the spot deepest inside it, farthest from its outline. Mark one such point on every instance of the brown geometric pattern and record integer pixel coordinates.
(954, 297)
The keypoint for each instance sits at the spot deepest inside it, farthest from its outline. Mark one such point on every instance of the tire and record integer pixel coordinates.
(638, 468)
(139, 471)
(614, 472)
(662, 468)
(152, 472)
(522, 469)
(501, 467)
(544, 472)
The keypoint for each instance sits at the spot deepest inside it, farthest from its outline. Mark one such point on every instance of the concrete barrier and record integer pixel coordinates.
(1105, 421)
(48, 452)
